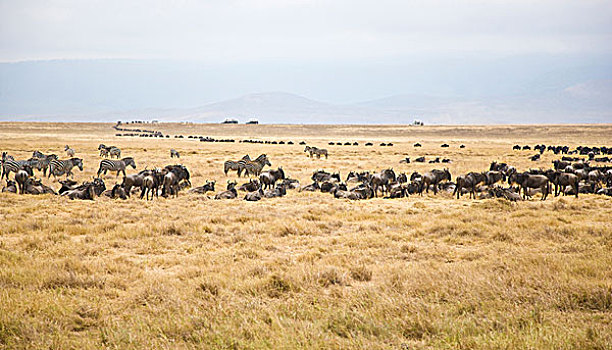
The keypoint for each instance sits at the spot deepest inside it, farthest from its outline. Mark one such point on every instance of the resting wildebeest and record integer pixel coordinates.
(527, 181)
(254, 196)
(434, 177)
(251, 186)
(209, 186)
(86, 192)
(311, 188)
(231, 192)
(35, 186)
(11, 186)
(278, 191)
(268, 178)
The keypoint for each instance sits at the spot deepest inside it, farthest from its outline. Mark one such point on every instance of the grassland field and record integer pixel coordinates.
(305, 270)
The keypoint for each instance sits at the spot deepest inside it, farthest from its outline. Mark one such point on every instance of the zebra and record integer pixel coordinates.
(69, 151)
(61, 167)
(238, 165)
(114, 151)
(41, 162)
(316, 151)
(11, 165)
(116, 165)
(254, 167)
(174, 153)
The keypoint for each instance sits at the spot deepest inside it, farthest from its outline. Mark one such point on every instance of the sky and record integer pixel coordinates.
(243, 31)
(341, 51)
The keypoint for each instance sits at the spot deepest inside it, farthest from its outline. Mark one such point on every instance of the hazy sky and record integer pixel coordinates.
(303, 30)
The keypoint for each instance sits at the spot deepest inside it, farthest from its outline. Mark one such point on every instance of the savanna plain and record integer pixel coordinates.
(305, 270)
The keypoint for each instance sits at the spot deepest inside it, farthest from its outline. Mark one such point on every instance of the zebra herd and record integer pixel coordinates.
(316, 151)
(250, 167)
(109, 151)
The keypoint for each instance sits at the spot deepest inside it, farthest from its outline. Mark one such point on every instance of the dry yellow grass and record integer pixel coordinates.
(306, 270)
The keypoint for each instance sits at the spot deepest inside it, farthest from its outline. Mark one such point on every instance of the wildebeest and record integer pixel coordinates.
(209, 186)
(311, 188)
(230, 193)
(254, 196)
(151, 183)
(172, 177)
(322, 175)
(527, 181)
(434, 177)
(11, 187)
(278, 191)
(252, 185)
(382, 180)
(469, 182)
(268, 178)
(21, 177)
(36, 187)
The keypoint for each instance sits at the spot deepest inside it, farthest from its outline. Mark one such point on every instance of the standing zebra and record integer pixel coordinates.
(69, 151)
(174, 153)
(116, 165)
(10, 165)
(254, 167)
(114, 151)
(238, 165)
(61, 167)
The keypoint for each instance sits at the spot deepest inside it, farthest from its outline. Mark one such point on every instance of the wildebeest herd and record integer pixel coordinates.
(568, 175)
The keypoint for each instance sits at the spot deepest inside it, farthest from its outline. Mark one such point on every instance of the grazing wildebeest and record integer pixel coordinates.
(382, 180)
(116, 165)
(527, 181)
(151, 183)
(69, 151)
(562, 180)
(209, 186)
(11, 187)
(268, 178)
(174, 153)
(494, 177)
(434, 177)
(238, 166)
(134, 180)
(172, 177)
(420, 160)
(469, 181)
(417, 145)
(445, 145)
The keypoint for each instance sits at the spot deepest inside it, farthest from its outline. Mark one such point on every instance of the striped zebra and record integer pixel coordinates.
(254, 167)
(42, 163)
(316, 151)
(114, 151)
(174, 153)
(11, 165)
(61, 167)
(116, 165)
(69, 151)
(238, 165)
